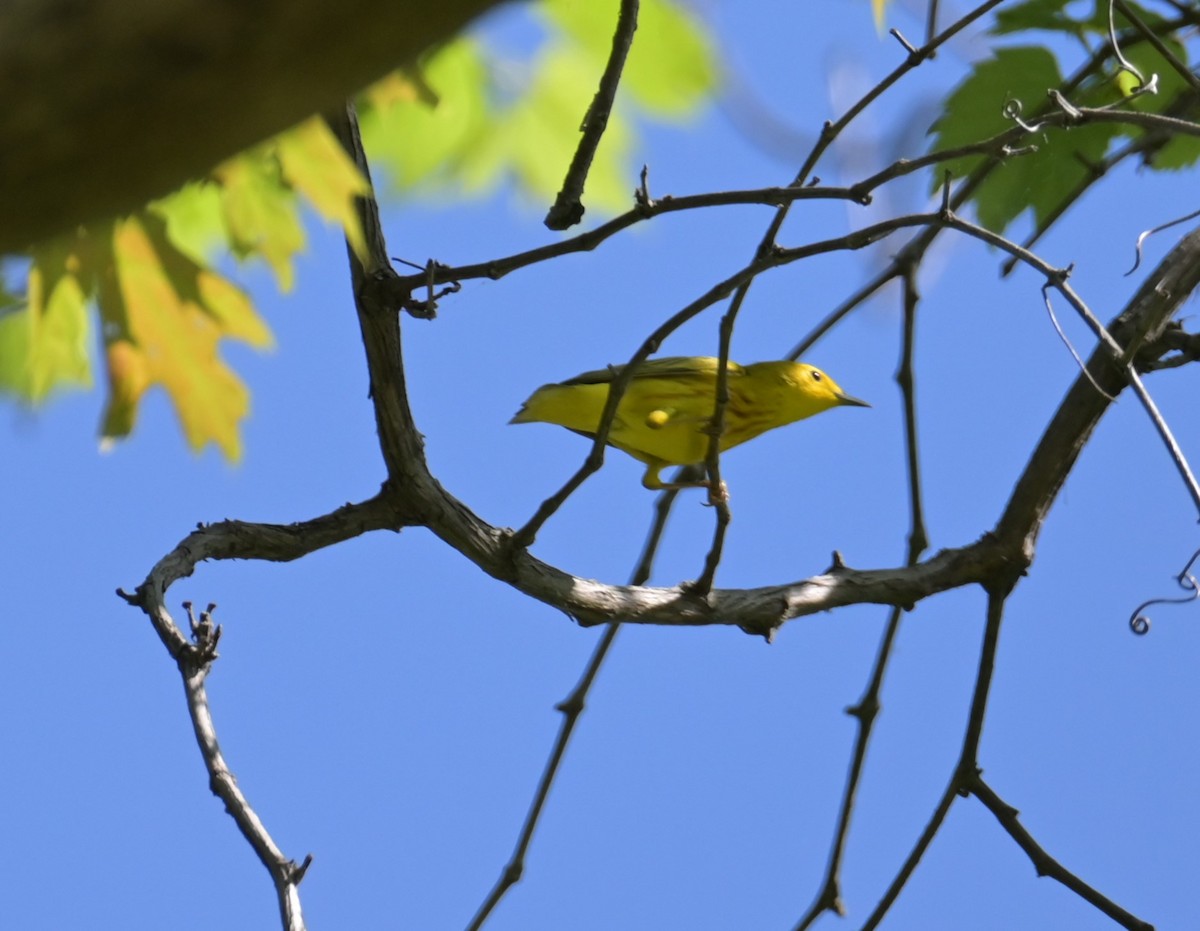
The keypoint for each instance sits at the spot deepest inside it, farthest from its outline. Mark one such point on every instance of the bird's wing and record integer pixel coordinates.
(666, 367)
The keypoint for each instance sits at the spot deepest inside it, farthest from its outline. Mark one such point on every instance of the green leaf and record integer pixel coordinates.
(1099, 18)
(421, 129)
(193, 217)
(44, 343)
(1043, 181)
(260, 212)
(1174, 98)
(1051, 15)
(164, 316)
(975, 110)
(1181, 152)
(1036, 14)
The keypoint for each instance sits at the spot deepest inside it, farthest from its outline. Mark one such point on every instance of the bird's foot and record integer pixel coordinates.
(717, 495)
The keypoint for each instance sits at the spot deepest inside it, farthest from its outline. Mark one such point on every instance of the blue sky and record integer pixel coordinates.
(388, 708)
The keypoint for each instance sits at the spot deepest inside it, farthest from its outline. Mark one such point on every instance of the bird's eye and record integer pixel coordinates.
(816, 376)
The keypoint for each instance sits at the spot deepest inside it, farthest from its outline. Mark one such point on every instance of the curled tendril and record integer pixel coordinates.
(1139, 623)
(1012, 111)
(1150, 232)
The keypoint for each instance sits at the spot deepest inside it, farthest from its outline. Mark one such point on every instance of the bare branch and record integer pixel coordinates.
(1045, 864)
(567, 209)
(645, 208)
(966, 768)
(571, 707)
(867, 708)
(1147, 313)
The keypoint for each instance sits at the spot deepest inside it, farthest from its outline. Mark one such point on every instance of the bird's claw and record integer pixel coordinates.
(718, 495)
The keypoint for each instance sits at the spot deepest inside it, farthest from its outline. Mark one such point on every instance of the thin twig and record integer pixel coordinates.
(1057, 278)
(644, 209)
(966, 767)
(918, 539)
(736, 284)
(831, 131)
(940, 810)
(285, 873)
(712, 463)
(931, 12)
(869, 706)
(1161, 294)
(1045, 864)
(1066, 341)
(1143, 236)
(567, 209)
(396, 290)
(571, 707)
(1164, 432)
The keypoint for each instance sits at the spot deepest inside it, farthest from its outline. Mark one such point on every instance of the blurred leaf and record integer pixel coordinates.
(420, 138)
(878, 11)
(530, 141)
(975, 109)
(164, 316)
(193, 216)
(1036, 14)
(1175, 98)
(1181, 152)
(315, 164)
(44, 341)
(465, 119)
(1098, 22)
(468, 122)
(1051, 15)
(260, 213)
(671, 67)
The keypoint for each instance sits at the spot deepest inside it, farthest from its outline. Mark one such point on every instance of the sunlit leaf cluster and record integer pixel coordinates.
(463, 120)
(1056, 165)
(469, 118)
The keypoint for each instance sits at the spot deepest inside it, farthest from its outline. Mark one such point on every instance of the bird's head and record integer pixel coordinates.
(808, 390)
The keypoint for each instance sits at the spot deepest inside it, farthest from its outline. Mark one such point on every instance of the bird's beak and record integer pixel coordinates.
(848, 401)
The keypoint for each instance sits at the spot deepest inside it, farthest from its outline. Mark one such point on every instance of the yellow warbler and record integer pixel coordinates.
(664, 414)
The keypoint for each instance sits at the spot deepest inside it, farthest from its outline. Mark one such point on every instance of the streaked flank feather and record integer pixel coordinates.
(664, 413)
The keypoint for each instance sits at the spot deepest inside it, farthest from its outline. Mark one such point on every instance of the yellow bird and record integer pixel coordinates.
(663, 416)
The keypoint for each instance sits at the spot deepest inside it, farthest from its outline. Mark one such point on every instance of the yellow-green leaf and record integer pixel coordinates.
(317, 166)
(193, 216)
(260, 211)
(164, 316)
(671, 66)
(421, 129)
(530, 141)
(44, 344)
